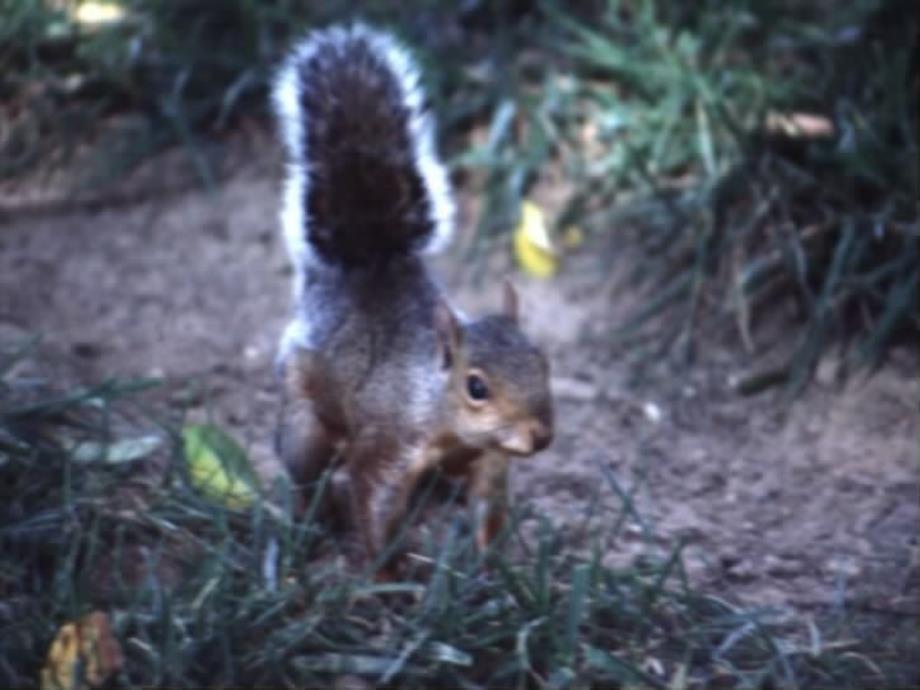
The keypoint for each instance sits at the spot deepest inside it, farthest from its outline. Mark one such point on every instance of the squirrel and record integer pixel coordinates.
(377, 369)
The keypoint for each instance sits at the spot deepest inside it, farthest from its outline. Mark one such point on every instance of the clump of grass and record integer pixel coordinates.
(684, 125)
(201, 596)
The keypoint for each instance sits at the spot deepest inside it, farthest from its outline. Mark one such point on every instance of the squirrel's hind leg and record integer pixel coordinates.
(304, 444)
(305, 447)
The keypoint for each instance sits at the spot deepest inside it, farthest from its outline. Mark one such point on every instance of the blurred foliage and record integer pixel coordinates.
(678, 122)
(760, 151)
(197, 595)
(173, 71)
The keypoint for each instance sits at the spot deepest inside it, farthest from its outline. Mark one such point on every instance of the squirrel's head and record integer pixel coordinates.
(498, 383)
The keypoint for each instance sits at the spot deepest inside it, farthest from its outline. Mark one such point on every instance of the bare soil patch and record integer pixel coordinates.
(811, 506)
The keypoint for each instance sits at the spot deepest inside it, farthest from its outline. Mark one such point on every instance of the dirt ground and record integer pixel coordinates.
(805, 507)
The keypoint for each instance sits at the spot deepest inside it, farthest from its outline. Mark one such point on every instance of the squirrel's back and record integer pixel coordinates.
(364, 183)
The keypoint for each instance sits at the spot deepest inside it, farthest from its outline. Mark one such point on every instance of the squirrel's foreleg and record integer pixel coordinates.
(383, 474)
(488, 492)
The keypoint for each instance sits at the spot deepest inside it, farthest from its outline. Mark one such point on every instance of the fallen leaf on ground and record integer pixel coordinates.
(83, 654)
(533, 248)
(125, 450)
(805, 125)
(218, 467)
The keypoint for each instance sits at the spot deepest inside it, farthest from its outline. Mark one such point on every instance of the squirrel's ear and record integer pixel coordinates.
(448, 332)
(509, 300)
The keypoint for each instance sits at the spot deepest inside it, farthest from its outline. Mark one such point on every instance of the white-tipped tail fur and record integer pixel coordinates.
(288, 99)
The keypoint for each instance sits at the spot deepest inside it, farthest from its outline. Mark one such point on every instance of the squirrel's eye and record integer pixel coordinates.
(476, 387)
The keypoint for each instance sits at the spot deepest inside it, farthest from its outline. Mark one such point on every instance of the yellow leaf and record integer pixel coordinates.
(83, 654)
(218, 467)
(533, 248)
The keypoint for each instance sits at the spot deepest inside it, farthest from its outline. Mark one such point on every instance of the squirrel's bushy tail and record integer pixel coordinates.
(364, 182)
